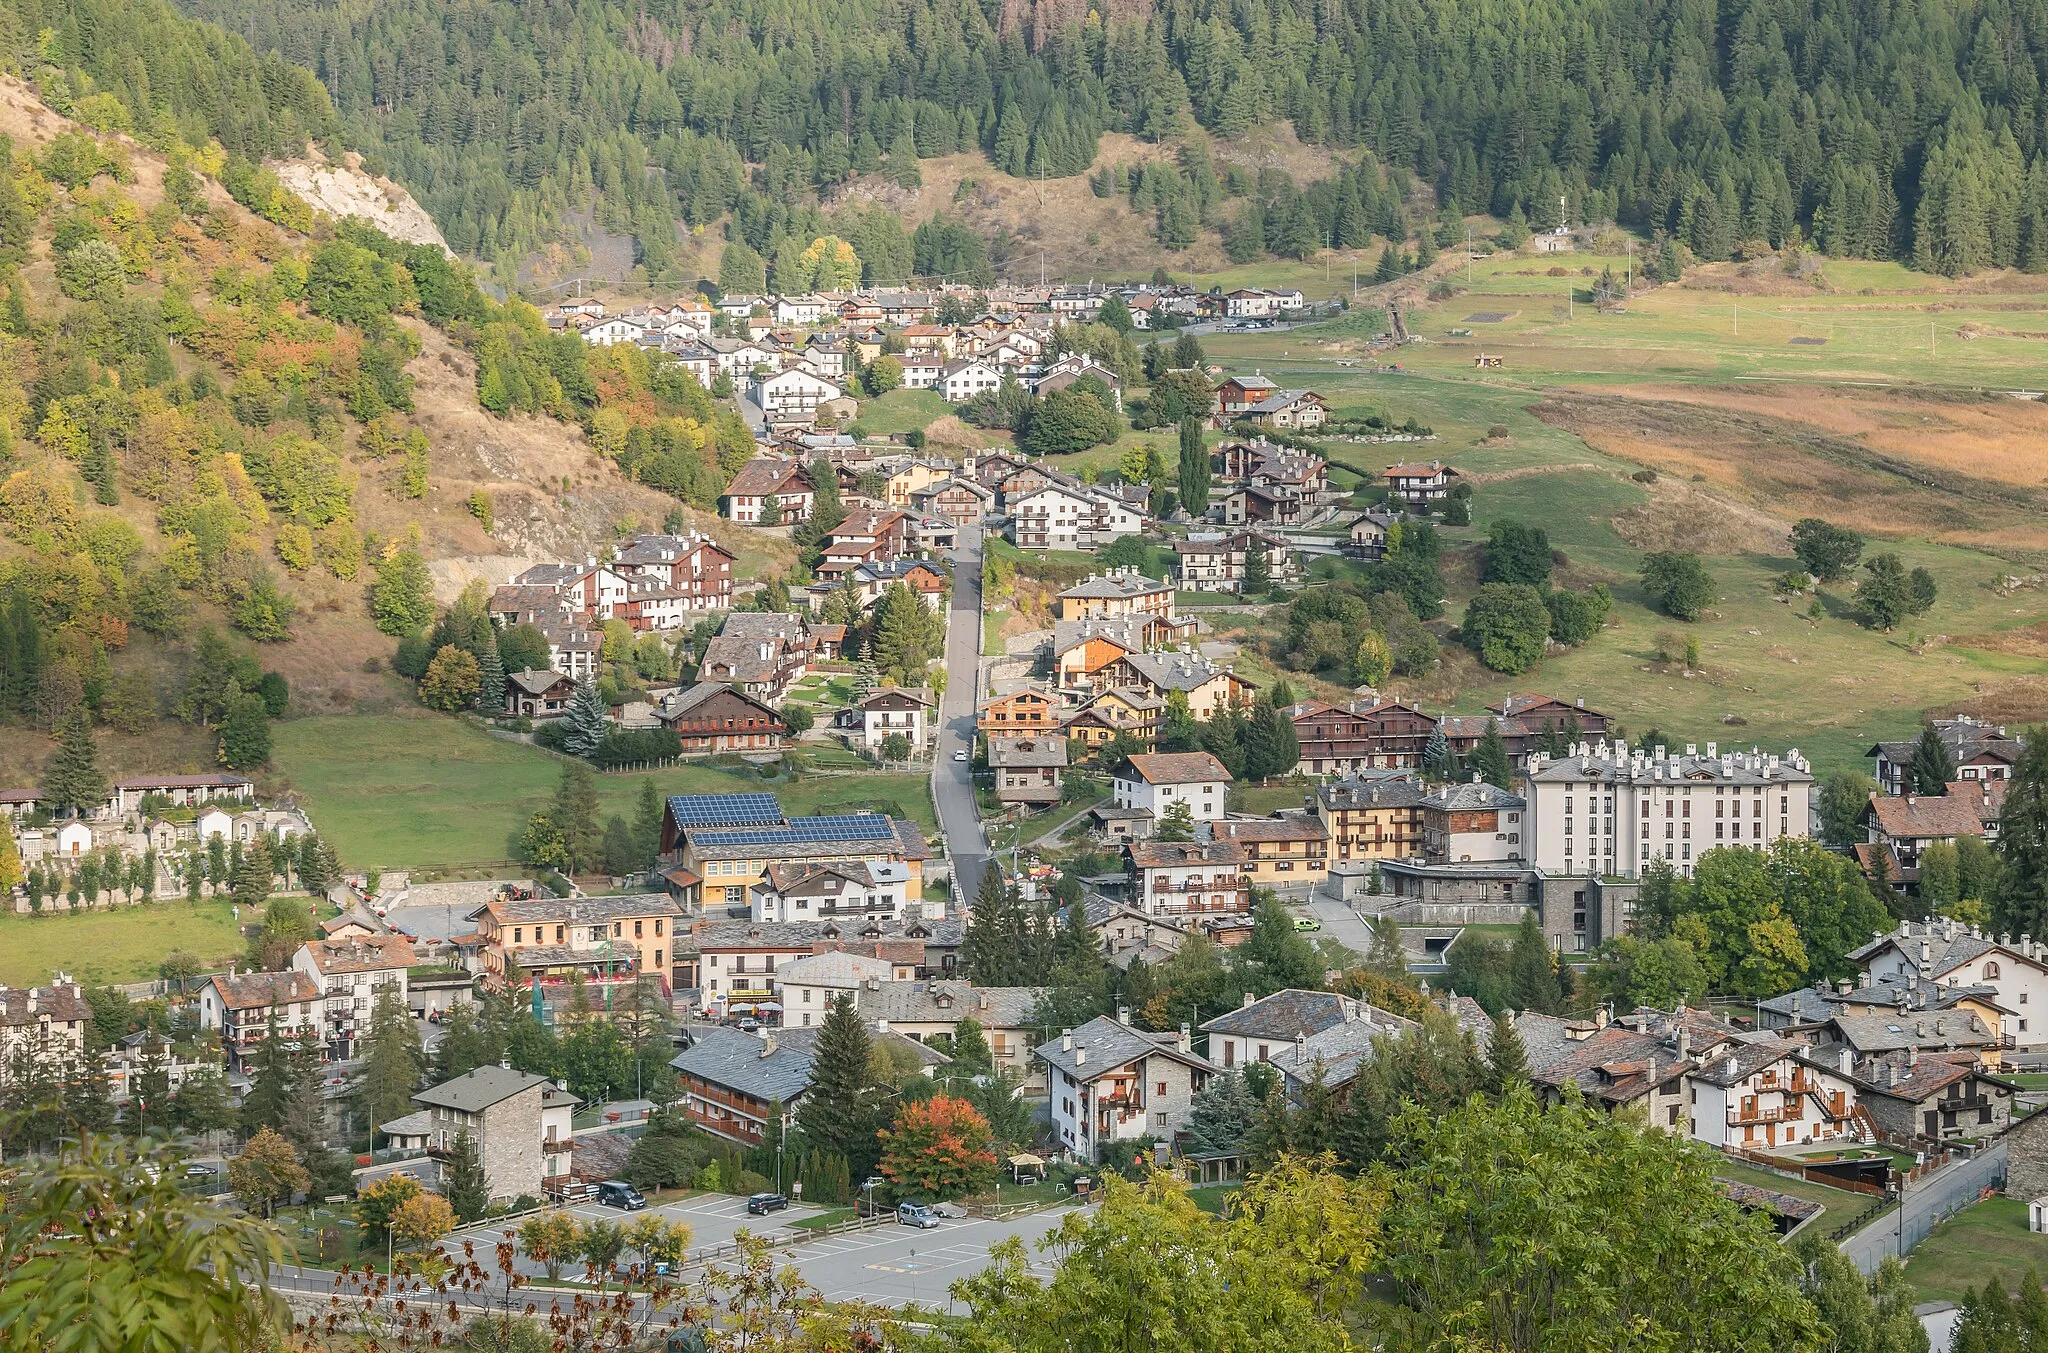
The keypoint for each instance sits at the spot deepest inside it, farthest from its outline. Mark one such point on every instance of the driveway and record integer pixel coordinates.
(953, 781)
(1340, 922)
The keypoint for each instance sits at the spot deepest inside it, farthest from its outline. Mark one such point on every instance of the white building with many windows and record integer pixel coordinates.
(1611, 809)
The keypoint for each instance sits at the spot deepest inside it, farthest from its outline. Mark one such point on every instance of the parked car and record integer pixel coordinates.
(761, 1204)
(1307, 923)
(960, 756)
(618, 1193)
(916, 1214)
(195, 1172)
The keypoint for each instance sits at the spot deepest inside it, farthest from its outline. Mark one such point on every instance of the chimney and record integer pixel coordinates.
(1123, 1015)
(1912, 1059)
(1067, 1041)
(1600, 1018)
(1848, 1061)
(1683, 1043)
(1187, 1037)
(1248, 1000)
(505, 1062)
(1080, 1056)
(1301, 1049)
(767, 1045)
(1642, 1023)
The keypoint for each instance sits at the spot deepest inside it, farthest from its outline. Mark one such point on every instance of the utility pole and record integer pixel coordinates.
(1738, 319)
(1468, 256)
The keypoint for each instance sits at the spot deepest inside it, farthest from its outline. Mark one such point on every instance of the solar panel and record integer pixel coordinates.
(721, 810)
(850, 827)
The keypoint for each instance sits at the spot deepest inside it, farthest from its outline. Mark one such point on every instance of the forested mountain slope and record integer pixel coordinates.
(1911, 129)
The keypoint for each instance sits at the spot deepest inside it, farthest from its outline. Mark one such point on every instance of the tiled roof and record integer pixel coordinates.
(1177, 768)
(362, 953)
(1406, 471)
(1967, 809)
(259, 990)
(581, 910)
(758, 478)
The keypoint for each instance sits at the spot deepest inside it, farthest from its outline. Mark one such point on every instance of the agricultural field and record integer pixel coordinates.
(421, 791)
(1658, 430)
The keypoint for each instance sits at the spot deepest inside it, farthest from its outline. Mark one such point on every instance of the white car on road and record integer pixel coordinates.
(960, 756)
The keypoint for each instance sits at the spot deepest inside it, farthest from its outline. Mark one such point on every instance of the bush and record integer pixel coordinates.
(1507, 625)
(1644, 476)
(746, 1182)
(1679, 583)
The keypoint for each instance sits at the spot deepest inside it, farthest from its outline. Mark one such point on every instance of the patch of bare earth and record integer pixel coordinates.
(1768, 461)
(2019, 700)
(1682, 516)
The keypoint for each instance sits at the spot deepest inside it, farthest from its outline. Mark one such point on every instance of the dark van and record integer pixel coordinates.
(618, 1193)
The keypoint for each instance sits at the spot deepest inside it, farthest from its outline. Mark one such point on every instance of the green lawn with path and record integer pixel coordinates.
(123, 944)
(1841, 1204)
(425, 791)
(1987, 1240)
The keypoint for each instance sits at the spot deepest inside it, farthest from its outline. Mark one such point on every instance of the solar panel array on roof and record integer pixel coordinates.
(724, 810)
(851, 827)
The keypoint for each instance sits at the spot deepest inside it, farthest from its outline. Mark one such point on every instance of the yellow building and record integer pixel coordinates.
(596, 936)
(1373, 819)
(1279, 851)
(729, 861)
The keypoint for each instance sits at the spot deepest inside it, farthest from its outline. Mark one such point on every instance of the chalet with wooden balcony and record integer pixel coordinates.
(1027, 770)
(1178, 878)
(1641, 1063)
(1360, 736)
(1376, 817)
(245, 1007)
(1110, 1084)
(1289, 852)
(732, 1084)
(351, 974)
(1028, 710)
(1770, 1093)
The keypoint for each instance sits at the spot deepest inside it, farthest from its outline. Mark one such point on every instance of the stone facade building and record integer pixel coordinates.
(520, 1123)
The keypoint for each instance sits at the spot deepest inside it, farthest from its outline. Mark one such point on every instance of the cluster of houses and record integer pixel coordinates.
(652, 583)
(154, 817)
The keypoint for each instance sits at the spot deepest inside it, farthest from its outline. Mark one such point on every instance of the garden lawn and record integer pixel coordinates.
(423, 791)
(1988, 1240)
(121, 945)
(1841, 1204)
(901, 411)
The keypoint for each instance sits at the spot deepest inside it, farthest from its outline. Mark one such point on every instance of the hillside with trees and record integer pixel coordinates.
(1913, 134)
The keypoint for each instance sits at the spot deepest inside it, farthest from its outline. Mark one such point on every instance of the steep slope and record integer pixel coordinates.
(213, 421)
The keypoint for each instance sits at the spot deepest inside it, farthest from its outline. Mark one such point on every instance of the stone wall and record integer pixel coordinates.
(2027, 1166)
(511, 1144)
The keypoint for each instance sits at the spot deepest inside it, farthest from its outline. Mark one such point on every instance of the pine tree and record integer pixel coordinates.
(586, 719)
(73, 779)
(462, 1179)
(490, 688)
(1261, 751)
(1532, 972)
(839, 1113)
(1933, 768)
(393, 1060)
(983, 949)
(1436, 753)
(1507, 1061)
(270, 1085)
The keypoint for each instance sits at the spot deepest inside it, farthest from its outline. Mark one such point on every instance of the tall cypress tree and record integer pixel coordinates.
(1194, 468)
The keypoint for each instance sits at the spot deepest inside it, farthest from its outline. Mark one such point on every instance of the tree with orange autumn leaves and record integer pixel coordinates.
(939, 1148)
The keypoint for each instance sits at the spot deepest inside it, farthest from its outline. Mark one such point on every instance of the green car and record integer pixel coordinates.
(1307, 923)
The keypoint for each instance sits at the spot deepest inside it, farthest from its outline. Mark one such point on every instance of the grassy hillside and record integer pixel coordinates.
(1745, 434)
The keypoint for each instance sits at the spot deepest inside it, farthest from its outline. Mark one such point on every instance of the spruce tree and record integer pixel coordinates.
(1436, 753)
(393, 1060)
(1507, 1061)
(1532, 973)
(73, 779)
(1261, 752)
(982, 948)
(490, 687)
(1933, 768)
(270, 1085)
(1490, 758)
(1286, 745)
(839, 1112)
(2019, 905)
(647, 815)
(1258, 572)
(586, 719)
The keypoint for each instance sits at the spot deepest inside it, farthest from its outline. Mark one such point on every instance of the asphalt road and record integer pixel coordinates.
(902, 1265)
(1340, 922)
(953, 781)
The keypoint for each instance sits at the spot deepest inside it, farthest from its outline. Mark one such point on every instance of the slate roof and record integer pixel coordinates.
(835, 969)
(822, 936)
(1393, 791)
(1284, 1014)
(536, 681)
(740, 656)
(587, 910)
(1950, 945)
(759, 625)
(1918, 1077)
(747, 1065)
(682, 702)
(1177, 768)
(478, 1090)
(209, 781)
(1293, 827)
(1109, 1045)
(1472, 797)
(758, 478)
(1281, 399)
(1749, 1058)
(1125, 631)
(1176, 671)
(1954, 1029)
(941, 1001)
(1027, 751)
(1114, 587)
(61, 1003)
(1336, 1053)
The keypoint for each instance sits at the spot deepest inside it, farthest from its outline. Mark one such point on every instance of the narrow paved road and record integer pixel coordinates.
(953, 781)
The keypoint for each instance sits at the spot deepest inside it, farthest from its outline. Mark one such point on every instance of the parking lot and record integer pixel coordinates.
(888, 1264)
